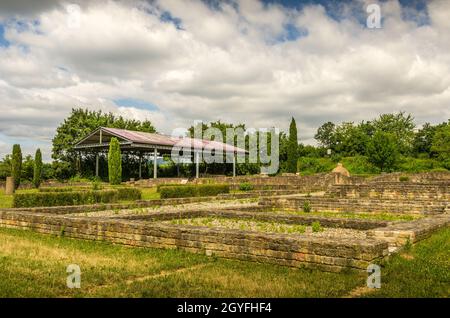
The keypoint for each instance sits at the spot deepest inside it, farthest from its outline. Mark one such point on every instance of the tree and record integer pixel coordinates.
(326, 135)
(27, 168)
(382, 151)
(114, 162)
(441, 144)
(37, 171)
(80, 123)
(401, 126)
(16, 165)
(292, 150)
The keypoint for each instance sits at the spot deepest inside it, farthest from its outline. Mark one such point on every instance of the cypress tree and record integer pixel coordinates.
(16, 165)
(37, 171)
(114, 162)
(292, 151)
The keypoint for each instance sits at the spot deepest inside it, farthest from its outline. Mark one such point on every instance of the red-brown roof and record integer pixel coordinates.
(140, 137)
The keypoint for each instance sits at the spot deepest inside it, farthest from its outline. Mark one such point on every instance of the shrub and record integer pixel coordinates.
(307, 165)
(245, 186)
(410, 164)
(403, 178)
(54, 189)
(16, 166)
(306, 207)
(128, 193)
(359, 165)
(316, 227)
(97, 185)
(37, 169)
(22, 200)
(114, 162)
(158, 187)
(201, 190)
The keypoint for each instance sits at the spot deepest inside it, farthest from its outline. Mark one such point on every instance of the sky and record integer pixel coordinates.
(242, 61)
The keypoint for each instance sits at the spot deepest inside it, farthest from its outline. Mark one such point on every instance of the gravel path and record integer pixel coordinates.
(260, 226)
(211, 205)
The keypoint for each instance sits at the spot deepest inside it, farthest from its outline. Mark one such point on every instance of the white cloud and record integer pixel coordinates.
(222, 63)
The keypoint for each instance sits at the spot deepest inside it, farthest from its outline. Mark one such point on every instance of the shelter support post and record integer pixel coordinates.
(234, 165)
(97, 156)
(155, 164)
(96, 165)
(140, 166)
(197, 163)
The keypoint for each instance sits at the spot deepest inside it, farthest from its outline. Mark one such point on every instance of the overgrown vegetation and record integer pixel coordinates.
(245, 186)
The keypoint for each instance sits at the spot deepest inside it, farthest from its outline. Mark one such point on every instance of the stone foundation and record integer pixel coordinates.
(283, 249)
(323, 203)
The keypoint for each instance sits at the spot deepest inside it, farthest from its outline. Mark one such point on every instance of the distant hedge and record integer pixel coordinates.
(128, 193)
(201, 190)
(62, 198)
(55, 189)
(159, 186)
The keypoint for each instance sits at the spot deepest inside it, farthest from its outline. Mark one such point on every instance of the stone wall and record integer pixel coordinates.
(318, 203)
(357, 224)
(290, 250)
(393, 190)
(398, 234)
(422, 177)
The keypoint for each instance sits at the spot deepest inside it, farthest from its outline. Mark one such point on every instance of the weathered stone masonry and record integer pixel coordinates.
(282, 249)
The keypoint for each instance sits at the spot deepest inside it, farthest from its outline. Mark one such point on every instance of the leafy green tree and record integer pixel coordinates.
(326, 135)
(401, 126)
(16, 165)
(382, 151)
(292, 150)
(441, 144)
(80, 123)
(5, 167)
(114, 162)
(37, 171)
(27, 168)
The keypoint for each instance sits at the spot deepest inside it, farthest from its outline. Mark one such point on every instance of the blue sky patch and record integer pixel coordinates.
(3, 42)
(137, 103)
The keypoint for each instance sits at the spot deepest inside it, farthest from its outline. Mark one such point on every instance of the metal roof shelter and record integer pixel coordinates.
(144, 142)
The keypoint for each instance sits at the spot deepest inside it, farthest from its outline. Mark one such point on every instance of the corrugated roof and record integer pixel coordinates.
(140, 137)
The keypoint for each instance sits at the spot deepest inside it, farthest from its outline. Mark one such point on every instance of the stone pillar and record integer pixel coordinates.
(9, 187)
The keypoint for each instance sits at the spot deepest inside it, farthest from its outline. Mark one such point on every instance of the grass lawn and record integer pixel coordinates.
(149, 193)
(34, 265)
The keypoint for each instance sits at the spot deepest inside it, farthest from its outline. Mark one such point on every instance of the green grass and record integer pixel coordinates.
(150, 193)
(34, 265)
(6, 201)
(421, 271)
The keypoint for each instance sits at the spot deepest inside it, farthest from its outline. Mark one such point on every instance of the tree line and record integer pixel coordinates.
(387, 143)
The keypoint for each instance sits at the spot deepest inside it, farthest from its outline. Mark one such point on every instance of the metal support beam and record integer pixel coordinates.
(155, 164)
(234, 165)
(96, 165)
(97, 157)
(197, 164)
(140, 166)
